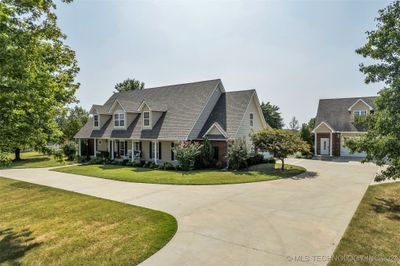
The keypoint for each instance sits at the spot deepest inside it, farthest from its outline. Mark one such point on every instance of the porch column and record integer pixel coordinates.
(80, 147)
(315, 144)
(155, 152)
(112, 149)
(132, 151)
(330, 143)
(94, 147)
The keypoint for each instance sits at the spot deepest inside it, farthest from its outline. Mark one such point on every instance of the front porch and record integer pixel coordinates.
(127, 149)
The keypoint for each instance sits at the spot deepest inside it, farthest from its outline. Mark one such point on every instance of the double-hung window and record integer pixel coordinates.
(119, 119)
(146, 119)
(360, 113)
(251, 119)
(96, 121)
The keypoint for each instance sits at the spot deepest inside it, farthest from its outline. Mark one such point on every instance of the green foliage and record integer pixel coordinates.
(5, 160)
(168, 166)
(280, 143)
(206, 156)
(307, 136)
(37, 73)
(294, 124)
(272, 115)
(129, 85)
(70, 150)
(237, 154)
(382, 142)
(97, 160)
(72, 121)
(186, 153)
(58, 154)
(255, 159)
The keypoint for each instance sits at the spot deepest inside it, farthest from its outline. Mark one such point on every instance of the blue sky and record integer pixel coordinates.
(292, 52)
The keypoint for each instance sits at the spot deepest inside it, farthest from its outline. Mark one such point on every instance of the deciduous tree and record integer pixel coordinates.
(280, 143)
(382, 142)
(37, 74)
(129, 85)
(272, 115)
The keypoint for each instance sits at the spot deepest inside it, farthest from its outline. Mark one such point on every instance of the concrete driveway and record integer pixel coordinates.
(266, 223)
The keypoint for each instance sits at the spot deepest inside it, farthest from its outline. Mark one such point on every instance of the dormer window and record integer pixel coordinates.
(119, 119)
(146, 119)
(360, 113)
(96, 120)
(251, 119)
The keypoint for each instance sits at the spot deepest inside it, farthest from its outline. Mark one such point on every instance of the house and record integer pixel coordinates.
(335, 122)
(146, 125)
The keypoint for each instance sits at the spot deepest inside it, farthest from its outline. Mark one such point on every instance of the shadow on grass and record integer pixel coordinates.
(389, 206)
(14, 245)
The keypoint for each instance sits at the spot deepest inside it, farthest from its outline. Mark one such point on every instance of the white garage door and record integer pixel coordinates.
(345, 152)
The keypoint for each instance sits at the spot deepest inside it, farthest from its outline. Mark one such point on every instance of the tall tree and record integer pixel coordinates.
(74, 119)
(272, 115)
(382, 142)
(307, 136)
(37, 73)
(294, 124)
(129, 85)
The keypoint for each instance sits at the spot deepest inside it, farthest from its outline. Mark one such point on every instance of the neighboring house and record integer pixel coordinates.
(146, 125)
(335, 122)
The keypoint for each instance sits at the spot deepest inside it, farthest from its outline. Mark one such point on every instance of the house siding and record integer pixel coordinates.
(205, 114)
(245, 129)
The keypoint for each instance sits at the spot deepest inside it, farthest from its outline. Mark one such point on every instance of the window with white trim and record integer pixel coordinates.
(119, 119)
(251, 119)
(360, 113)
(146, 119)
(122, 148)
(96, 120)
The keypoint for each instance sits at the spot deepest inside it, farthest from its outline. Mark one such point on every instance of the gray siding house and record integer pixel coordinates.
(335, 122)
(147, 124)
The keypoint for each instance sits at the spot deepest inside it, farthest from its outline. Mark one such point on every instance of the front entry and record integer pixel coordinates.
(324, 146)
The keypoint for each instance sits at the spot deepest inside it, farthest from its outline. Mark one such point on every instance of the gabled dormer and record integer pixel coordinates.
(100, 116)
(151, 111)
(360, 108)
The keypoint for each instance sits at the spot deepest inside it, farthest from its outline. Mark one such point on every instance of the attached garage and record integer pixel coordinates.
(345, 151)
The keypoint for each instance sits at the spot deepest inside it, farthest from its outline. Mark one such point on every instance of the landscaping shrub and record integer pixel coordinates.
(70, 150)
(168, 166)
(5, 160)
(186, 154)
(206, 157)
(125, 161)
(256, 158)
(83, 159)
(237, 154)
(58, 154)
(271, 160)
(97, 160)
(138, 164)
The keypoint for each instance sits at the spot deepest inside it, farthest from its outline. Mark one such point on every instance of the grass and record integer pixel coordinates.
(373, 232)
(46, 226)
(35, 160)
(262, 172)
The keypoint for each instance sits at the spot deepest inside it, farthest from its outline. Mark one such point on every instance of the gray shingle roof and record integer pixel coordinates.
(335, 113)
(183, 103)
(229, 111)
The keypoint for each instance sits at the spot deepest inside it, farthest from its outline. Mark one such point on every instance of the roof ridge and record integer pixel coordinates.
(342, 98)
(240, 91)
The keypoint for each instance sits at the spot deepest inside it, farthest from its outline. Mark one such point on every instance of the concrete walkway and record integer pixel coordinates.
(264, 223)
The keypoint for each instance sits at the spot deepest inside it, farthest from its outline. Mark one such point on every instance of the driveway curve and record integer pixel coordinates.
(282, 222)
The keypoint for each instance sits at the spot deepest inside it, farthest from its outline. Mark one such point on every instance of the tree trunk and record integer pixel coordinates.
(17, 154)
(283, 164)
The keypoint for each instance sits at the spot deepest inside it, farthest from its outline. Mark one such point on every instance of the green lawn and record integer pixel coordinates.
(262, 172)
(374, 231)
(46, 226)
(35, 160)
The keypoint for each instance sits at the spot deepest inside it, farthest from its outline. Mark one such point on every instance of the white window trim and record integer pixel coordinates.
(98, 121)
(124, 115)
(358, 112)
(150, 118)
(251, 120)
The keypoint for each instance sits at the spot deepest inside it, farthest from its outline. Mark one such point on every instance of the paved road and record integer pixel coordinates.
(264, 223)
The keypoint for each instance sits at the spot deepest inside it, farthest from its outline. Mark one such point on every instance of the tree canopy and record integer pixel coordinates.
(72, 122)
(294, 124)
(272, 115)
(37, 73)
(129, 85)
(382, 142)
(281, 143)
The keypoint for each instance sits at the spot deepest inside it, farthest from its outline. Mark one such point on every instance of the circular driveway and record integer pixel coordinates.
(282, 222)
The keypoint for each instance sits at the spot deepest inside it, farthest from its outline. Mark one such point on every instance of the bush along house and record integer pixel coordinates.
(145, 125)
(336, 122)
